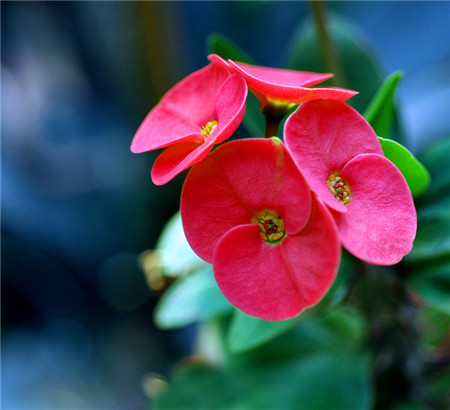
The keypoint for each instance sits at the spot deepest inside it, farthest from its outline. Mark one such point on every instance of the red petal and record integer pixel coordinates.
(229, 107)
(287, 85)
(323, 136)
(380, 224)
(277, 282)
(234, 183)
(279, 76)
(176, 159)
(229, 110)
(182, 111)
(216, 59)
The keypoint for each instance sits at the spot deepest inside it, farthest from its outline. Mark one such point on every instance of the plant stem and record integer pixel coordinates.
(272, 124)
(328, 53)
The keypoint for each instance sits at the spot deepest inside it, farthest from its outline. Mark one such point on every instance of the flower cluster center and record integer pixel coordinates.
(339, 189)
(208, 128)
(271, 226)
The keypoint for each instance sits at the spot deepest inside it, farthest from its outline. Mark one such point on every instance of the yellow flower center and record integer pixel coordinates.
(338, 187)
(271, 226)
(208, 128)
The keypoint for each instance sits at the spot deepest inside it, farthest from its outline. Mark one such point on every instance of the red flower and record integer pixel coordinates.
(247, 209)
(275, 85)
(202, 110)
(341, 158)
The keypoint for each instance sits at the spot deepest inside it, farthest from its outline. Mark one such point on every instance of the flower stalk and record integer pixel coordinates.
(327, 51)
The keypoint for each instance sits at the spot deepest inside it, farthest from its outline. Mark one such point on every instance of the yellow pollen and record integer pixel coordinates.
(339, 189)
(271, 226)
(208, 129)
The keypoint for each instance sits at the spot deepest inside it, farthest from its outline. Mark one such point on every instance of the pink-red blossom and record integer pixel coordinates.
(247, 209)
(342, 160)
(202, 110)
(276, 85)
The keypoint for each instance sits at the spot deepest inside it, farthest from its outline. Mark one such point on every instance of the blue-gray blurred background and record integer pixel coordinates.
(78, 208)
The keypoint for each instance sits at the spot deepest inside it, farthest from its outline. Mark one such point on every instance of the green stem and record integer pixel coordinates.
(274, 112)
(328, 53)
(272, 124)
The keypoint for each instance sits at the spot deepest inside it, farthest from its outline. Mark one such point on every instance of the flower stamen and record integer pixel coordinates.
(340, 190)
(271, 226)
(208, 128)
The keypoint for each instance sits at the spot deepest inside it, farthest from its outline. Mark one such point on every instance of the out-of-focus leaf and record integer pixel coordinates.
(176, 258)
(381, 111)
(309, 383)
(438, 389)
(340, 285)
(408, 405)
(432, 282)
(435, 325)
(253, 118)
(254, 121)
(414, 172)
(435, 158)
(225, 48)
(432, 239)
(361, 71)
(191, 299)
(347, 322)
(247, 332)
(433, 207)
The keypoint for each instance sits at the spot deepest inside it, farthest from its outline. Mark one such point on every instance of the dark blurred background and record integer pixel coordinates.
(78, 208)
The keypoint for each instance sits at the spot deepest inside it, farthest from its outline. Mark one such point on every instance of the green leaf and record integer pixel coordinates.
(253, 118)
(308, 383)
(414, 172)
(432, 239)
(433, 208)
(433, 284)
(360, 69)
(247, 332)
(191, 299)
(435, 158)
(254, 121)
(434, 328)
(339, 288)
(381, 111)
(176, 258)
(225, 48)
(347, 322)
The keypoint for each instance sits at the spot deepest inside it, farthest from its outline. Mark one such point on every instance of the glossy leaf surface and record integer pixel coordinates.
(381, 111)
(414, 172)
(191, 299)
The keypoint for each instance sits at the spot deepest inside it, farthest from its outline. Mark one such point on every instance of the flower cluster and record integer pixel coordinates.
(271, 215)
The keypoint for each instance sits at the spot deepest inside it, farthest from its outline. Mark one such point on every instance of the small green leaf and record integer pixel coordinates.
(381, 111)
(247, 332)
(414, 172)
(191, 299)
(225, 48)
(176, 258)
(433, 284)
